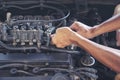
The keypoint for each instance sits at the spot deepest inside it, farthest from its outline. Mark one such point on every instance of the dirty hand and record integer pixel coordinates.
(63, 37)
(117, 77)
(82, 29)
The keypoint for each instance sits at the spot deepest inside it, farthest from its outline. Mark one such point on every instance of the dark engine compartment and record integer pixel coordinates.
(26, 51)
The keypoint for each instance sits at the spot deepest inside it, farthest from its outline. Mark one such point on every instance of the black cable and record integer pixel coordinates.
(94, 76)
(17, 48)
(80, 73)
(86, 69)
(56, 69)
(59, 50)
(46, 6)
(15, 65)
(38, 49)
(25, 72)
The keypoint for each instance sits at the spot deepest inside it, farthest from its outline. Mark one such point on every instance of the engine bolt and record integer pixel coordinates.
(22, 43)
(30, 43)
(13, 71)
(17, 40)
(34, 40)
(46, 74)
(46, 64)
(14, 44)
(35, 70)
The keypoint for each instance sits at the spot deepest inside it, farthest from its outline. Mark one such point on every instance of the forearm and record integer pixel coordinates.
(108, 56)
(111, 24)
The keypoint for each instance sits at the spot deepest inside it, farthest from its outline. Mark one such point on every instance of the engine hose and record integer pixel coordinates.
(25, 72)
(90, 75)
(94, 76)
(59, 50)
(86, 69)
(37, 6)
(15, 71)
(15, 65)
(46, 6)
(38, 49)
(56, 69)
(14, 48)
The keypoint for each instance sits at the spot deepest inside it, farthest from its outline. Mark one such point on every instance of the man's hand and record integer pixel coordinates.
(117, 77)
(63, 37)
(82, 29)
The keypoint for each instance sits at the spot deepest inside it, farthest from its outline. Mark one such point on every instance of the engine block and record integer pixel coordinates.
(29, 32)
(26, 51)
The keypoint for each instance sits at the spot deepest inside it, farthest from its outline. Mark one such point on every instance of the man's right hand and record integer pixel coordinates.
(82, 29)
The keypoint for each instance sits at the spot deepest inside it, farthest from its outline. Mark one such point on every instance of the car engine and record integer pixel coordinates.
(26, 50)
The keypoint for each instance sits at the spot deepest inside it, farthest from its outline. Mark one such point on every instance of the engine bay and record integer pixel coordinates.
(26, 51)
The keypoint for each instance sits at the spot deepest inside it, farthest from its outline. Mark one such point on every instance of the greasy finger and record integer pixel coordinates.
(60, 46)
(74, 26)
(53, 40)
(51, 36)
